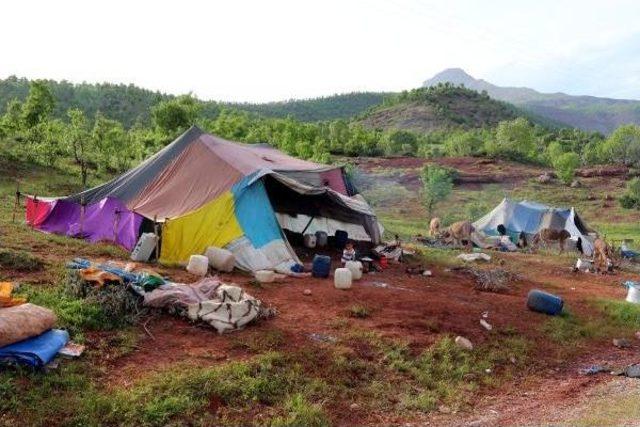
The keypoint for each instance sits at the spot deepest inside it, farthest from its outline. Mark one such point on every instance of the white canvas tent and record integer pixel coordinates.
(530, 217)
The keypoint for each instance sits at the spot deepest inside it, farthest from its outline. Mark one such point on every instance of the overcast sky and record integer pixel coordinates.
(273, 50)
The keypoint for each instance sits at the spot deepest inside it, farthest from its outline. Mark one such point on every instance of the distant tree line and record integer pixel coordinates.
(97, 143)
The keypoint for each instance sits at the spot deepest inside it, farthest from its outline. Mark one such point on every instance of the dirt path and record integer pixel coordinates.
(416, 309)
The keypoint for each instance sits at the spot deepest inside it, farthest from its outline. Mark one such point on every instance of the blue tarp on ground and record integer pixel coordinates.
(36, 351)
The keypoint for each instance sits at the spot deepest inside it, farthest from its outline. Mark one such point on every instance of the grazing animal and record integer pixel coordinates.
(460, 231)
(602, 255)
(434, 227)
(522, 240)
(547, 235)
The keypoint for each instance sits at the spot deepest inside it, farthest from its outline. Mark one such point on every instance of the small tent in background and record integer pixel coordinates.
(531, 217)
(206, 191)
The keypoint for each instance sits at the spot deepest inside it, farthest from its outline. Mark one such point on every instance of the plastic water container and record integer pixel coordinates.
(321, 266)
(342, 278)
(356, 269)
(198, 265)
(321, 239)
(544, 302)
(310, 241)
(144, 248)
(342, 237)
(220, 259)
(633, 293)
(265, 276)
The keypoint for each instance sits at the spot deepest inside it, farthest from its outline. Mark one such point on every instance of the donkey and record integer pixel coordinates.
(547, 235)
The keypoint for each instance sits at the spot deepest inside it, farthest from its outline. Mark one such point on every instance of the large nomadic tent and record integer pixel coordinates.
(206, 191)
(531, 217)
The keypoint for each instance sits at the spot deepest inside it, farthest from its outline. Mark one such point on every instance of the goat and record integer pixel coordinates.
(434, 227)
(602, 255)
(547, 235)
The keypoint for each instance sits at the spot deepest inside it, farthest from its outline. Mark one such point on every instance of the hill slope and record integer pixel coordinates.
(584, 112)
(438, 107)
(129, 103)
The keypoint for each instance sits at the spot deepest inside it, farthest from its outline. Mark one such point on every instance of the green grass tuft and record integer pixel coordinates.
(19, 260)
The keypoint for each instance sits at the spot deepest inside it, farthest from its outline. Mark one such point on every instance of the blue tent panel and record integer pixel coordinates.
(255, 213)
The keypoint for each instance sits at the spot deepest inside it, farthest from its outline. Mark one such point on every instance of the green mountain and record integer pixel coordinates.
(129, 103)
(439, 107)
(584, 112)
(317, 109)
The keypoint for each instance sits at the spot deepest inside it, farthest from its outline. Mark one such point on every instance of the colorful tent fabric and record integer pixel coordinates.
(207, 191)
(36, 351)
(530, 217)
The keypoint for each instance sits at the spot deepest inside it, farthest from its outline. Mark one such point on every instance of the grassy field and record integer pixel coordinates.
(267, 380)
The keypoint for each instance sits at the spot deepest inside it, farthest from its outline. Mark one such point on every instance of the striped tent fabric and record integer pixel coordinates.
(207, 191)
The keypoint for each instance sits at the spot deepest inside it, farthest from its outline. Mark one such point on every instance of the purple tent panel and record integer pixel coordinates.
(107, 220)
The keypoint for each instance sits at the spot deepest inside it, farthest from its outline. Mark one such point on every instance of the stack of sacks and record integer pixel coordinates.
(26, 336)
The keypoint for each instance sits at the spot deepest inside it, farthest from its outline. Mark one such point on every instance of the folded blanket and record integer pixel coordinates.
(37, 351)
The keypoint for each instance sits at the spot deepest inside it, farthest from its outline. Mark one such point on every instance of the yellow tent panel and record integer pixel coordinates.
(213, 224)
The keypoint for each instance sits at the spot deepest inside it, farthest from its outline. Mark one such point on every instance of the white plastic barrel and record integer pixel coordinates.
(356, 269)
(143, 249)
(220, 259)
(633, 294)
(265, 276)
(198, 265)
(310, 240)
(342, 278)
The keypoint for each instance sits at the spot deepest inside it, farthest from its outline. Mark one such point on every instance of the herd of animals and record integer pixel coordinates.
(459, 234)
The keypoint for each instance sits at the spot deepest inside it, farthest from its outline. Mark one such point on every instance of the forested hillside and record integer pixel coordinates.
(318, 109)
(438, 108)
(431, 122)
(129, 104)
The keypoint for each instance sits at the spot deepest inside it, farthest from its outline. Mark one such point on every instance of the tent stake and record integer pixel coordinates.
(17, 202)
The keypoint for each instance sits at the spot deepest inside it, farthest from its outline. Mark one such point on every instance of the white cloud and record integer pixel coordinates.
(258, 51)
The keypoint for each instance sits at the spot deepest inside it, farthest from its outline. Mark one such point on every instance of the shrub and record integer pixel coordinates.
(630, 199)
(19, 260)
(437, 183)
(565, 166)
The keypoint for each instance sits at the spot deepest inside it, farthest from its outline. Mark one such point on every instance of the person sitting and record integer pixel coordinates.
(349, 253)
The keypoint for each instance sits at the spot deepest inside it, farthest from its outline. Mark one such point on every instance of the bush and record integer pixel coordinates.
(19, 260)
(565, 166)
(631, 197)
(437, 183)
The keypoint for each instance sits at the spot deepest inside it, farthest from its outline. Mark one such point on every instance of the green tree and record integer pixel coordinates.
(514, 139)
(437, 184)
(630, 199)
(176, 115)
(401, 142)
(38, 105)
(623, 146)
(565, 166)
(77, 138)
(463, 144)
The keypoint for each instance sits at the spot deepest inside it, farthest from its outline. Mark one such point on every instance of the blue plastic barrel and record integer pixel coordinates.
(321, 266)
(342, 237)
(544, 302)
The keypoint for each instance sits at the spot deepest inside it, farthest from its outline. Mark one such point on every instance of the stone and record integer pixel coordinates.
(444, 409)
(354, 406)
(486, 325)
(464, 343)
(621, 343)
(576, 183)
(638, 335)
(307, 292)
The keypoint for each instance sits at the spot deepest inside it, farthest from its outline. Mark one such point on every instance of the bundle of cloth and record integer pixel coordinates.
(139, 279)
(225, 307)
(27, 337)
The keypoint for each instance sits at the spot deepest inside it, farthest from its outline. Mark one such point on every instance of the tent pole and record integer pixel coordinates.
(155, 233)
(17, 202)
(308, 224)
